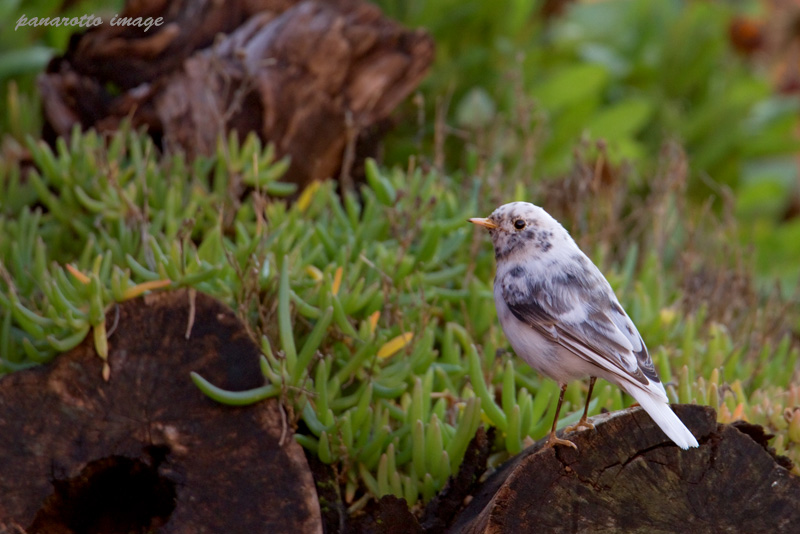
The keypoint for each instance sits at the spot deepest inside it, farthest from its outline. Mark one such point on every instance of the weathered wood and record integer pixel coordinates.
(128, 56)
(628, 477)
(317, 78)
(147, 451)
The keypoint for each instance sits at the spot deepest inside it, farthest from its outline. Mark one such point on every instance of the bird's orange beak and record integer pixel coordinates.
(486, 223)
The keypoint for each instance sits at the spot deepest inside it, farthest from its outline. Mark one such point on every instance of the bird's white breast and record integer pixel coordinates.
(547, 357)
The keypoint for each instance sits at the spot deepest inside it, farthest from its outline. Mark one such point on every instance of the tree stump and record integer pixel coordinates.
(317, 78)
(147, 451)
(626, 476)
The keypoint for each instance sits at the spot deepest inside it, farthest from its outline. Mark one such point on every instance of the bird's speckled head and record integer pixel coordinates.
(521, 228)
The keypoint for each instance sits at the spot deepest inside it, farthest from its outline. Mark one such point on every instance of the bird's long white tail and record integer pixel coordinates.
(664, 417)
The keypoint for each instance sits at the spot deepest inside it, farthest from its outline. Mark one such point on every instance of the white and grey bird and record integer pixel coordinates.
(561, 316)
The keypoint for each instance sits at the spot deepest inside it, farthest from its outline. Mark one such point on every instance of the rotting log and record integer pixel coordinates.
(317, 78)
(147, 451)
(627, 476)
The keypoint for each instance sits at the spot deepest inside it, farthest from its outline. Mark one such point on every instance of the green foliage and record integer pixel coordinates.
(116, 218)
(633, 73)
(374, 311)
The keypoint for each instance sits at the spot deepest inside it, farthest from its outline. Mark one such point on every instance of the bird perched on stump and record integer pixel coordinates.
(561, 316)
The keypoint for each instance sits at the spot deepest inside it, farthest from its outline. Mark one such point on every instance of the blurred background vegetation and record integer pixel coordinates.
(663, 134)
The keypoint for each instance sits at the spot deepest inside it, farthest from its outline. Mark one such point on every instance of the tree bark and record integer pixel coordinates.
(627, 476)
(148, 451)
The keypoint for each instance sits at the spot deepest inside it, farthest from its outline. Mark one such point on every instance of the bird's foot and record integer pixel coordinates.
(552, 441)
(580, 425)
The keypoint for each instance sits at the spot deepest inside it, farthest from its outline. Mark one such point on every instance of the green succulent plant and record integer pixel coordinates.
(374, 309)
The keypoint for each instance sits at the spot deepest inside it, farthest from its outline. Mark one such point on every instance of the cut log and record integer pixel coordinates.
(317, 78)
(627, 476)
(147, 451)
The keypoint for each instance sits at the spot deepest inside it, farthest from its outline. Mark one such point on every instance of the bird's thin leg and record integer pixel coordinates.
(584, 423)
(553, 440)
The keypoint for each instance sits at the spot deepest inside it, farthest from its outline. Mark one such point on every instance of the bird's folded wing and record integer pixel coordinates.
(587, 320)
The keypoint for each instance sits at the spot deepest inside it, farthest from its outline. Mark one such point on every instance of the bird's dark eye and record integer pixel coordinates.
(519, 224)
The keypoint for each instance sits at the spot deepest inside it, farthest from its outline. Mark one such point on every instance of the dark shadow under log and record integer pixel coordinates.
(147, 451)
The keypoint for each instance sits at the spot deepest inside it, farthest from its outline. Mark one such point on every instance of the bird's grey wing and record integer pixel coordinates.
(628, 329)
(582, 314)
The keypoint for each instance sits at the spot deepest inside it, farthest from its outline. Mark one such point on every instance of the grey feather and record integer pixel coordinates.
(546, 305)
